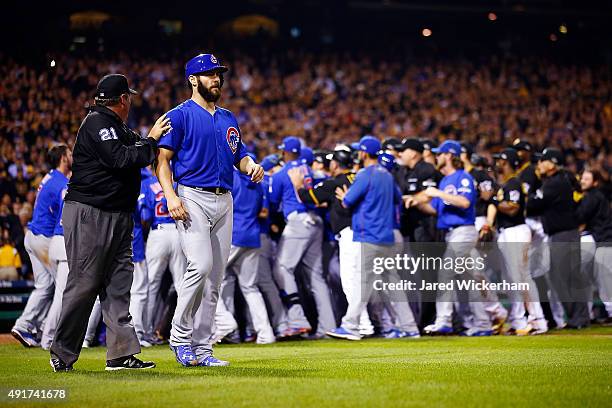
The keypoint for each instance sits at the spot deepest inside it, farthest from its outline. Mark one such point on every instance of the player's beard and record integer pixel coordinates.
(211, 94)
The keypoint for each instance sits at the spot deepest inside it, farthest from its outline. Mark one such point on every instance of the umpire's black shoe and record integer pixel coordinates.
(128, 363)
(58, 365)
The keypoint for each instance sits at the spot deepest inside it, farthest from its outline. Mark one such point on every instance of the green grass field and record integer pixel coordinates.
(562, 369)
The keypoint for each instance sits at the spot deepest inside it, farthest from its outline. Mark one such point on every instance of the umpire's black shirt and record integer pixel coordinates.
(325, 192)
(556, 202)
(107, 159)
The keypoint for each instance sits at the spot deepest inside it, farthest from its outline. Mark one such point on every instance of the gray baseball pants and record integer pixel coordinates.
(206, 239)
(302, 242)
(40, 299)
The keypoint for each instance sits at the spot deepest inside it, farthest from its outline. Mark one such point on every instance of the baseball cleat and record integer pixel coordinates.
(58, 365)
(250, 337)
(25, 338)
(438, 329)
(145, 343)
(210, 361)
(342, 333)
(411, 334)
(498, 324)
(524, 331)
(128, 363)
(185, 355)
(232, 338)
(476, 332)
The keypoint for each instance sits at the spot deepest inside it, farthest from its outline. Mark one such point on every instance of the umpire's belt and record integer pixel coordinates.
(214, 190)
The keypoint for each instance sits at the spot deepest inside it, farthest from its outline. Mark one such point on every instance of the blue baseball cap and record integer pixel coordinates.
(355, 146)
(449, 146)
(369, 144)
(291, 144)
(307, 155)
(270, 161)
(203, 63)
(387, 160)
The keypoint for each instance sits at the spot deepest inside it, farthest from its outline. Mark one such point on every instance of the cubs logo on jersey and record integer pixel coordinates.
(233, 138)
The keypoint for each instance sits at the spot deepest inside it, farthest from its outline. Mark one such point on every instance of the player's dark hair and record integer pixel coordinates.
(457, 162)
(55, 154)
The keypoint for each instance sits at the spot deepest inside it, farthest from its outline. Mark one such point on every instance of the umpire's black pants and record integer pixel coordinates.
(567, 278)
(99, 252)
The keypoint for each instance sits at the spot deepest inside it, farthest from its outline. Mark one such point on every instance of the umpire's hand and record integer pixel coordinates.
(161, 127)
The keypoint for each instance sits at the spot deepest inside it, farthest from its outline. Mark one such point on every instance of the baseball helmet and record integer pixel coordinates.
(343, 154)
(203, 63)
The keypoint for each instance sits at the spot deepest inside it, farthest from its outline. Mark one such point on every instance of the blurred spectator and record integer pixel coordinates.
(10, 261)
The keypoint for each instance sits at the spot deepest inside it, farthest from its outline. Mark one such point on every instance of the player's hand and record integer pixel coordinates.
(161, 127)
(409, 201)
(177, 209)
(296, 177)
(432, 192)
(341, 193)
(255, 171)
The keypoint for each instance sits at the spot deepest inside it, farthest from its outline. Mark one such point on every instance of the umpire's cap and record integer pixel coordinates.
(203, 63)
(523, 145)
(113, 86)
(412, 144)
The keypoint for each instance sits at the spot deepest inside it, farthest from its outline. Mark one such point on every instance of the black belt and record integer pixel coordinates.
(215, 190)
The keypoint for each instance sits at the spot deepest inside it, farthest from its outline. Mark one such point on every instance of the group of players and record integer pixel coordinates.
(331, 203)
(304, 240)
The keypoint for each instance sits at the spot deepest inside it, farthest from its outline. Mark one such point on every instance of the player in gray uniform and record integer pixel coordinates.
(204, 145)
(301, 243)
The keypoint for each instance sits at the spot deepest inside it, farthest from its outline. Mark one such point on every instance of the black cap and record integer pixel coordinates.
(478, 160)
(390, 143)
(428, 144)
(320, 156)
(509, 154)
(522, 145)
(553, 155)
(113, 86)
(343, 154)
(467, 149)
(412, 144)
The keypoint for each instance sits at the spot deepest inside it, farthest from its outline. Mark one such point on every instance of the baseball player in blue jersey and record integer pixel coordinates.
(203, 145)
(37, 241)
(163, 247)
(267, 251)
(454, 203)
(140, 284)
(373, 196)
(243, 263)
(300, 243)
(59, 264)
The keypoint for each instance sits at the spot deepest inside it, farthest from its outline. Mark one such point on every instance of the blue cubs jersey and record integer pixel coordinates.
(206, 146)
(138, 244)
(264, 223)
(47, 205)
(374, 198)
(282, 191)
(59, 227)
(449, 216)
(152, 203)
(248, 202)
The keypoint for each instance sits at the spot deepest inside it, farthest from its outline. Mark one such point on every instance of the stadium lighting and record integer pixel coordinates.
(426, 32)
(553, 37)
(563, 29)
(492, 16)
(52, 64)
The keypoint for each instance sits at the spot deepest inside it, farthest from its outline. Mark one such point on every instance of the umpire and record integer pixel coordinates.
(98, 224)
